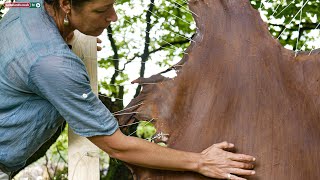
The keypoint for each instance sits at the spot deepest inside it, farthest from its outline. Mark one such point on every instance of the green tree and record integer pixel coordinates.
(293, 22)
(1, 11)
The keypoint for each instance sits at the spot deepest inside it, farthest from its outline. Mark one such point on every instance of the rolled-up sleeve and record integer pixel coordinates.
(64, 82)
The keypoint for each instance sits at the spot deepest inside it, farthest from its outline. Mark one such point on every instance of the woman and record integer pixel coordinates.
(42, 80)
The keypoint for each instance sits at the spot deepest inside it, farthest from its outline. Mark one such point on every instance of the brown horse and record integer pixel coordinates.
(237, 83)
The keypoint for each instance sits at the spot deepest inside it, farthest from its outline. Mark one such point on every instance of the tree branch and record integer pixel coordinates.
(146, 53)
(171, 43)
(305, 26)
(156, 50)
(58, 150)
(120, 94)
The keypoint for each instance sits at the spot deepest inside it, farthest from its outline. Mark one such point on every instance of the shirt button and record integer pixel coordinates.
(85, 95)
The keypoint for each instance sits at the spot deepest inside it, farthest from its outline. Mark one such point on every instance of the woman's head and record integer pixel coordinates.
(90, 17)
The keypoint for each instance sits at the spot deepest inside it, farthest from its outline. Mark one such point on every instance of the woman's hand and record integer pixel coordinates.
(99, 48)
(218, 163)
(213, 162)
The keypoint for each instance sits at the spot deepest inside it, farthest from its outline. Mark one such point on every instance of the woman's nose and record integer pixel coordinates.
(113, 17)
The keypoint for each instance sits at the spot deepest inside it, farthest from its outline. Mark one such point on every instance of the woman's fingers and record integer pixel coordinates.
(242, 172)
(233, 172)
(241, 157)
(224, 145)
(233, 177)
(241, 165)
(98, 47)
(226, 165)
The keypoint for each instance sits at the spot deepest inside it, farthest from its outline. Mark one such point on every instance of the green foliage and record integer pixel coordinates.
(168, 26)
(61, 146)
(284, 18)
(117, 171)
(58, 154)
(146, 130)
(1, 9)
(112, 89)
(61, 174)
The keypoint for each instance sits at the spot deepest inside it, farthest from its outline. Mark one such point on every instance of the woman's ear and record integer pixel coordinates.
(65, 5)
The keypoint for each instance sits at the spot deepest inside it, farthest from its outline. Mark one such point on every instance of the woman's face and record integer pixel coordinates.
(93, 17)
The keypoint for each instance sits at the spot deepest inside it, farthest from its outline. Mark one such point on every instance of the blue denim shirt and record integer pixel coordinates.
(41, 79)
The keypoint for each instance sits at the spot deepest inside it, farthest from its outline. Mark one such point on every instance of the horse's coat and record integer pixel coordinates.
(237, 83)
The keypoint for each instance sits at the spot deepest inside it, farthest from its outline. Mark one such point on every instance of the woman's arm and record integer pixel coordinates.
(213, 162)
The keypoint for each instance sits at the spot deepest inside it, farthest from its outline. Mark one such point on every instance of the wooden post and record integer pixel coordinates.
(83, 155)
